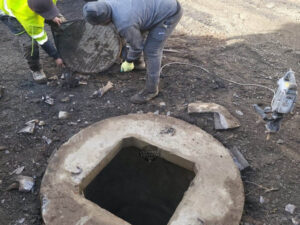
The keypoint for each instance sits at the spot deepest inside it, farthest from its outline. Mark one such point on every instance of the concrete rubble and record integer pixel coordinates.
(223, 120)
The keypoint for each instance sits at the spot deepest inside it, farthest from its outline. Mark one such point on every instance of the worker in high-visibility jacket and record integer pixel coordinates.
(26, 20)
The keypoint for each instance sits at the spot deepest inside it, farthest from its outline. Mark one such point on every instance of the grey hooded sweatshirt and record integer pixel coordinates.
(133, 17)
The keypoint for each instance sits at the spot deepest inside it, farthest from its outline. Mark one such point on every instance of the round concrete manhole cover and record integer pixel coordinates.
(86, 48)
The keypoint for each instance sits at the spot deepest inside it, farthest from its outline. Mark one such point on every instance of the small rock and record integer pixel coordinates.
(82, 82)
(48, 100)
(18, 171)
(6, 152)
(240, 113)
(279, 141)
(25, 183)
(22, 220)
(72, 123)
(290, 208)
(296, 220)
(2, 148)
(162, 104)
(63, 115)
(261, 200)
(140, 112)
(42, 123)
(47, 140)
(168, 113)
(2, 201)
(53, 78)
(29, 129)
(156, 112)
(66, 99)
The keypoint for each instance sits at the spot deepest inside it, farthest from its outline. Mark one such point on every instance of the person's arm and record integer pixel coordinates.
(50, 49)
(134, 38)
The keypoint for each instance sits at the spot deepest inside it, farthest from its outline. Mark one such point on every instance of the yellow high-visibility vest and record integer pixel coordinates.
(32, 22)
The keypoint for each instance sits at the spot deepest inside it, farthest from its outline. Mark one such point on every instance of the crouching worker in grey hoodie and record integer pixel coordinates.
(132, 18)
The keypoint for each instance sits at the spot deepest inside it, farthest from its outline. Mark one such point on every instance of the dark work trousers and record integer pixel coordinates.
(29, 47)
(153, 49)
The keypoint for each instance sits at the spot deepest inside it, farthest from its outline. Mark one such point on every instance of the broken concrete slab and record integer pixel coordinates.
(217, 184)
(222, 118)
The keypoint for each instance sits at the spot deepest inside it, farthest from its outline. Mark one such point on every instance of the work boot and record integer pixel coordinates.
(149, 92)
(139, 64)
(39, 76)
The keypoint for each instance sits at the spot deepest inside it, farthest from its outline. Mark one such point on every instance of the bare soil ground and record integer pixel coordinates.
(251, 41)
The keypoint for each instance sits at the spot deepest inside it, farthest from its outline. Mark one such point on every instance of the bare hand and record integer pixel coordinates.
(57, 20)
(59, 62)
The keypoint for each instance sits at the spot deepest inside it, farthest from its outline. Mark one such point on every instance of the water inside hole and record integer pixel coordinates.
(139, 191)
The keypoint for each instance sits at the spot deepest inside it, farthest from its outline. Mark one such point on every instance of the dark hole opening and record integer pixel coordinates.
(142, 192)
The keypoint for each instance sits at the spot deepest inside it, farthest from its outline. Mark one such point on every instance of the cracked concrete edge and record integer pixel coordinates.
(215, 196)
(222, 117)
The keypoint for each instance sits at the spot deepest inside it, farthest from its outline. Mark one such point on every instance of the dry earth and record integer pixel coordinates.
(251, 41)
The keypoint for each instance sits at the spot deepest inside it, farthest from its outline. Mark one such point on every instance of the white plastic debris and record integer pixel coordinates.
(261, 200)
(290, 208)
(47, 140)
(25, 183)
(18, 171)
(63, 115)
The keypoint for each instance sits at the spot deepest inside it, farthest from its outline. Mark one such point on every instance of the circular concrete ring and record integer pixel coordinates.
(214, 197)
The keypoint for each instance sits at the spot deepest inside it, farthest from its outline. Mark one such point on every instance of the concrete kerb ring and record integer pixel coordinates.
(215, 196)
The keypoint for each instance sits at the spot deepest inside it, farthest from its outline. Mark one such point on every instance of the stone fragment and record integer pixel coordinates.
(239, 112)
(290, 208)
(66, 99)
(25, 183)
(29, 129)
(63, 115)
(162, 104)
(223, 120)
(239, 159)
(42, 123)
(296, 220)
(2, 148)
(156, 112)
(261, 200)
(279, 141)
(48, 100)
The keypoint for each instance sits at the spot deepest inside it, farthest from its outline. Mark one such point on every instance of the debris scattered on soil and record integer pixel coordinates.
(102, 90)
(25, 183)
(1, 91)
(239, 112)
(82, 82)
(48, 100)
(290, 208)
(222, 118)
(66, 99)
(29, 129)
(63, 115)
(239, 159)
(279, 141)
(42, 123)
(296, 220)
(162, 104)
(266, 189)
(18, 171)
(261, 200)
(47, 140)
